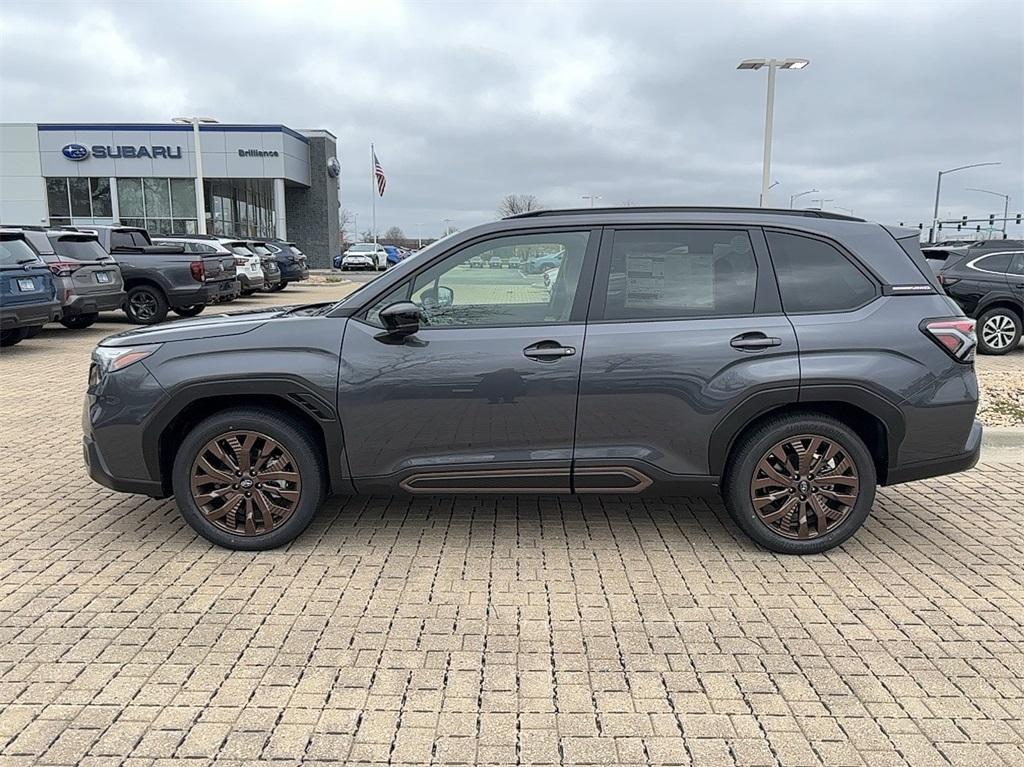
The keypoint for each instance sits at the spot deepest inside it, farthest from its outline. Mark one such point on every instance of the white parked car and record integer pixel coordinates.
(248, 267)
(365, 255)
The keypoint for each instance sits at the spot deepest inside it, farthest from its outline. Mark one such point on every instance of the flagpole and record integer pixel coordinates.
(373, 196)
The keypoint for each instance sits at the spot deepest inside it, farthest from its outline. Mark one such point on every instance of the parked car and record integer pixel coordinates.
(158, 278)
(88, 281)
(394, 254)
(476, 263)
(363, 255)
(540, 264)
(28, 295)
(791, 359)
(495, 262)
(248, 266)
(986, 279)
(290, 260)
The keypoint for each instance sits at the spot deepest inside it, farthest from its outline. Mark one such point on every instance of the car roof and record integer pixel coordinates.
(682, 209)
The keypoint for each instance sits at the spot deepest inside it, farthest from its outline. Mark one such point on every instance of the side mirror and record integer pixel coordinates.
(441, 298)
(401, 319)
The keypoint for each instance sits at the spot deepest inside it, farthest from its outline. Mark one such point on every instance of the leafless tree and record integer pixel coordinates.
(394, 234)
(512, 204)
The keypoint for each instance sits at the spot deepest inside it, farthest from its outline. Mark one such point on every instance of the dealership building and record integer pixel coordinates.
(252, 181)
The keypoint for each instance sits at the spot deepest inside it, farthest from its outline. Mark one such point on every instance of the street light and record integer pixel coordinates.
(200, 194)
(1006, 204)
(772, 64)
(938, 189)
(794, 197)
(447, 226)
(419, 235)
(591, 197)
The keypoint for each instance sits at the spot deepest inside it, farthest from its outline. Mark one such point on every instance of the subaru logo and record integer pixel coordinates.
(75, 152)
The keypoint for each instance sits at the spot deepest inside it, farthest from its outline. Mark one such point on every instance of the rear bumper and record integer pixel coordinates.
(937, 467)
(294, 273)
(29, 316)
(93, 302)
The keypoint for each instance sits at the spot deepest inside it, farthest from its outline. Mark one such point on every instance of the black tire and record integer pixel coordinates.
(247, 293)
(145, 305)
(189, 311)
(79, 321)
(292, 436)
(744, 465)
(12, 336)
(279, 287)
(33, 330)
(999, 331)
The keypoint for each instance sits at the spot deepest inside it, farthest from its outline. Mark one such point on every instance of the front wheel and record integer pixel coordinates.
(189, 311)
(279, 287)
(145, 305)
(248, 479)
(999, 331)
(79, 321)
(800, 484)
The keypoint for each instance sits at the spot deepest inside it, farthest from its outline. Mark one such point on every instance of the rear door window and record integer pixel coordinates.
(128, 239)
(814, 276)
(680, 273)
(1017, 265)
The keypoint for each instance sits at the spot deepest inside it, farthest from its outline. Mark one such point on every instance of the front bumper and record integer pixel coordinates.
(99, 472)
(29, 315)
(936, 467)
(91, 303)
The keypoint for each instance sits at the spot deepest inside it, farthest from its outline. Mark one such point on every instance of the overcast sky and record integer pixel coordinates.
(635, 102)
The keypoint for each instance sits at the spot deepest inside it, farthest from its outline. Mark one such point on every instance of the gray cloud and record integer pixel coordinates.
(635, 102)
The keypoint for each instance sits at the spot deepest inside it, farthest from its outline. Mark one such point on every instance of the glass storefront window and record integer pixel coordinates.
(81, 204)
(183, 197)
(185, 226)
(157, 196)
(99, 191)
(159, 226)
(129, 198)
(57, 197)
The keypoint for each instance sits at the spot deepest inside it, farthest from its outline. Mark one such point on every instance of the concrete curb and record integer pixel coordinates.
(1003, 437)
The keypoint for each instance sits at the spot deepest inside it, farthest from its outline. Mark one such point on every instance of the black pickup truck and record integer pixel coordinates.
(162, 277)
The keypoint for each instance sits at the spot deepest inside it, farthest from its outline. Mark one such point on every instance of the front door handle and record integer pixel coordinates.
(548, 351)
(754, 341)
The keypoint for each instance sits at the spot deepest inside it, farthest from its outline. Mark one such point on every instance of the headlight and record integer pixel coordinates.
(111, 358)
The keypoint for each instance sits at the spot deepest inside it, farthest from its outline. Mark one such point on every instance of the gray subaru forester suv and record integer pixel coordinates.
(791, 359)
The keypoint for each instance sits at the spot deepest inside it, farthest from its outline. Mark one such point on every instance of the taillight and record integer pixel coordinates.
(64, 268)
(239, 261)
(945, 281)
(198, 271)
(956, 336)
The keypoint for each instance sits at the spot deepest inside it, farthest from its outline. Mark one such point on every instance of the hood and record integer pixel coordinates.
(208, 326)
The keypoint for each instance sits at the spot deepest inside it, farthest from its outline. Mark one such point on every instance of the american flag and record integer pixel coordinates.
(378, 173)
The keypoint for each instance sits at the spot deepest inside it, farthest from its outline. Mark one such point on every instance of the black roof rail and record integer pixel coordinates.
(805, 213)
(188, 235)
(997, 244)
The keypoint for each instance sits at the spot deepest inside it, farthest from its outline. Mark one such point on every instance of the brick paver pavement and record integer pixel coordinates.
(491, 630)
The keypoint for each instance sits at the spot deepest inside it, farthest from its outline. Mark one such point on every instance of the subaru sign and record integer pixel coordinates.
(75, 152)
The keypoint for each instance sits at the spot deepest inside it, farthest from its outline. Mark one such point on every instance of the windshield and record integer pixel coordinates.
(263, 250)
(361, 247)
(13, 252)
(240, 250)
(78, 248)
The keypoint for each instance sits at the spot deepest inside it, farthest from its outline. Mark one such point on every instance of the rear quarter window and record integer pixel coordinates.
(815, 276)
(997, 263)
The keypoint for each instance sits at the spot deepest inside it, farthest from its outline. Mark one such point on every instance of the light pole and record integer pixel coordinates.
(840, 207)
(1006, 203)
(769, 110)
(794, 197)
(419, 235)
(447, 226)
(938, 190)
(821, 203)
(591, 197)
(198, 152)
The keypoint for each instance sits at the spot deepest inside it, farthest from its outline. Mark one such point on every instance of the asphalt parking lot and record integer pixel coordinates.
(492, 630)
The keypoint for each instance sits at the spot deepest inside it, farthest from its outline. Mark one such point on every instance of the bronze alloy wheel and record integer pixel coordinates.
(245, 483)
(804, 486)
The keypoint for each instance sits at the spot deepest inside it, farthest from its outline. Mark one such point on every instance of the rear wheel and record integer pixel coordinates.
(999, 331)
(12, 336)
(79, 321)
(145, 305)
(279, 287)
(189, 311)
(800, 484)
(33, 330)
(248, 479)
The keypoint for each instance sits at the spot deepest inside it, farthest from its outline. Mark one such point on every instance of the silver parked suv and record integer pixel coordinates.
(791, 359)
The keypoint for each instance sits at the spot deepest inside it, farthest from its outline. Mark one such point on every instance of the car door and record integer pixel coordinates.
(685, 343)
(1016, 277)
(483, 397)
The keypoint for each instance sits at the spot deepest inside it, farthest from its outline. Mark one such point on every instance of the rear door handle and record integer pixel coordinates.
(754, 341)
(548, 351)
